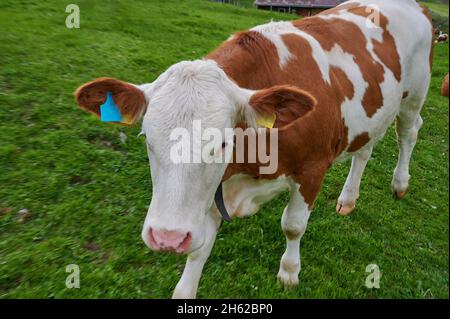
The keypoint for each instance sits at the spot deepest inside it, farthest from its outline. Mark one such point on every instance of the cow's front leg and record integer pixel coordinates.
(350, 193)
(188, 284)
(293, 222)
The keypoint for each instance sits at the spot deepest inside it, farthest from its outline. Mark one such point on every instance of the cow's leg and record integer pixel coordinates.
(407, 126)
(293, 222)
(350, 193)
(188, 284)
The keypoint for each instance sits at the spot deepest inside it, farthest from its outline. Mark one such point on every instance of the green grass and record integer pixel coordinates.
(437, 6)
(89, 193)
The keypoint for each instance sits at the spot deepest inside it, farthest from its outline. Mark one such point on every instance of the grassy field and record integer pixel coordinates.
(437, 6)
(88, 192)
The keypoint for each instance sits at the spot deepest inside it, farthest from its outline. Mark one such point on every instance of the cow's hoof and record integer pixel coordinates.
(288, 279)
(400, 194)
(400, 185)
(345, 209)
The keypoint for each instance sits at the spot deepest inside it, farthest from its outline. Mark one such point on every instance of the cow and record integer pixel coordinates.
(332, 84)
(444, 88)
(442, 37)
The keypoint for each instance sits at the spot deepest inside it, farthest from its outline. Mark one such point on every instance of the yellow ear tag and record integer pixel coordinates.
(267, 121)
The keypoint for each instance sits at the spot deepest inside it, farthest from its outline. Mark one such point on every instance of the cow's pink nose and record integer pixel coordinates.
(170, 240)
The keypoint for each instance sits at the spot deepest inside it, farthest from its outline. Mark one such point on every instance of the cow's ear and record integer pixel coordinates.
(129, 99)
(280, 105)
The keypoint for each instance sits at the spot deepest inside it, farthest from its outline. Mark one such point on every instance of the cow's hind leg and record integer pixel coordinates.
(293, 222)
(350, 193)
(408, 125)
(188, 284)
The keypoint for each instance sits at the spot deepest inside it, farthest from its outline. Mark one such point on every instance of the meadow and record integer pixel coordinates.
(87, 189)
(438, 6)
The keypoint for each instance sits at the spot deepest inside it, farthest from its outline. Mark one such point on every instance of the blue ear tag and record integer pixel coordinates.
(109, 111)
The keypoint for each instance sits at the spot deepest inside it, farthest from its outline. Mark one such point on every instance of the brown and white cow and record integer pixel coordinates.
(441, 37)
(334, 82)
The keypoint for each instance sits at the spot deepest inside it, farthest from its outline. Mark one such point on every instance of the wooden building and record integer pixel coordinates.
(304, 8)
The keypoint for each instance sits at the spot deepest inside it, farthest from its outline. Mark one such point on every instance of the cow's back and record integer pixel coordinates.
(410, 26)
(385, 50)
(360, 60)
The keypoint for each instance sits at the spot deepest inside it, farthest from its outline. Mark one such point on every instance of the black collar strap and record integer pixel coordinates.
(218, 199)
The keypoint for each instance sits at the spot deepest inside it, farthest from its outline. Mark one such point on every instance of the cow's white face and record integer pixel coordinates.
(189, 93)
(183, 192)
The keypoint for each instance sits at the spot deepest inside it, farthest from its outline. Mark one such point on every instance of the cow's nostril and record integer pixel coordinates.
(171, 240)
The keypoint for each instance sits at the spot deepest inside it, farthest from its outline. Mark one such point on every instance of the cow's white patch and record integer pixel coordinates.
(274, 31)
(244, 194)
(350, 191)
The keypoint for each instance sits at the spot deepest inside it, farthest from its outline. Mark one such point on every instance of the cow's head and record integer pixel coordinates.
(183, 192)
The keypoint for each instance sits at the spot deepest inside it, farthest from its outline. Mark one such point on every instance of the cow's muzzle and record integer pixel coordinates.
(170, 240)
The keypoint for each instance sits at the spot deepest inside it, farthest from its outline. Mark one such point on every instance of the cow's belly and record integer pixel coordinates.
(244, 195)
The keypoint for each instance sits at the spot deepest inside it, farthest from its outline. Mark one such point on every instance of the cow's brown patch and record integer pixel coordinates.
(444, 89)
(130, 100)
(246, 57)
(405, 95)
(358, 142)
(332, 32)
(344, 82)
